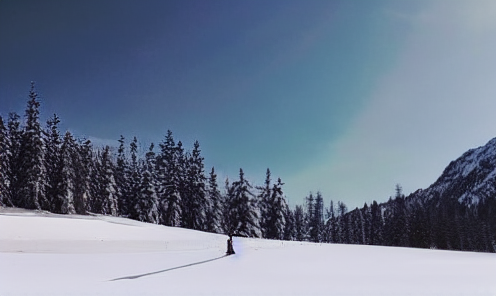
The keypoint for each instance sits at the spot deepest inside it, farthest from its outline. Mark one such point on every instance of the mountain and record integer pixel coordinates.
(469, 179)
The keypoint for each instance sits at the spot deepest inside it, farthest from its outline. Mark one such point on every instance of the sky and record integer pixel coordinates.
(348, 98)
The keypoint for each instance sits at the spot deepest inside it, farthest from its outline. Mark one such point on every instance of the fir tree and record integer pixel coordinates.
(264, 200)
(214, 209)
(31, 158)
(275, 220)
(4, 195)
(121, 182)
(14, 167)
(299, 223)
(148, 202)
(133, 179)
(194, 200)
(169, 181)
(54, 181)
(242, 215)
(82, 165)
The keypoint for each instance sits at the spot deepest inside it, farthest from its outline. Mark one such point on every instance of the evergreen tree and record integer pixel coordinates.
(133, 178)
(53, 162)
(264, 204)
(299, 223)
(31, 158)
(376, 224)
(82, 164)
(103, 200)
(4, 195)
(289, 226)
(121, 182)
(148, 202)
(14, 168)
(275, 220)
(68, 175)
(170, 181)
(214, 210)
(194, 200)
(242, 216)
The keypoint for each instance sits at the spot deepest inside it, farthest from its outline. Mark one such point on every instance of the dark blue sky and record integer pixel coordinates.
(279, 84)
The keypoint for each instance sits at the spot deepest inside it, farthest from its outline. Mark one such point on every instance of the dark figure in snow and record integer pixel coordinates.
(230, 250)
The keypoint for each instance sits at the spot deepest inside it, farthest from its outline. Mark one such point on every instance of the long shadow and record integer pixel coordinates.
(133, 277)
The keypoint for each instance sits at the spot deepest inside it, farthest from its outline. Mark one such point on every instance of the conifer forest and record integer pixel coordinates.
(43, 169)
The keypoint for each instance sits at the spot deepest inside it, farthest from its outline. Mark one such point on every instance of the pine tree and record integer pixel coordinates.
(275, 220)
(82, 165)
(194, 199)
(31, 157)
(14, 164)
(54, 181)
(214, 209)
(4, 195)
(376, 224)
(103, 200)
(121, 182)
(299, 223)
(169, 181)
(68, 175)
(263, 201)
(289, 226)
(242, 216)
(148, 202)
(133, 178)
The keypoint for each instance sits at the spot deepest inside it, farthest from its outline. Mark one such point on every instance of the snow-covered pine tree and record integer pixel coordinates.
(121, 184)
(103, 184)
(376, 224)
(68, 174)
(14, 167)
(169, 181)
(214, 205)
(194, 200)
(243, 218)
(264, 204)
(31, 158)
(148, 202)
(82, 162)
(4, 196)
(309, 219)
(54, 181)
(133, 178)
(276, 219)
(289, 226)
(299, 223)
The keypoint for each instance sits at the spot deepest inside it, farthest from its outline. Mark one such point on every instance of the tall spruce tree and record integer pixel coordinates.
(14, 164)
(133, 179)
(263, 201)
(68, 174)
(275, 220)
(214, 205)
(121, 182)
(4, 196)
(169, 180)
(82, 165)
(299, 223)
(194, 199)
(148, 202)
(242, 215)
(53, 162)
(31, 158)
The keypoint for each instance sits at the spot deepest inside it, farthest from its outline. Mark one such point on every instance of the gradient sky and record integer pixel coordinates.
(345, 97)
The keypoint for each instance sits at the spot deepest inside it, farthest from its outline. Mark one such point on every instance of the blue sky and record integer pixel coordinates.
(345, 97)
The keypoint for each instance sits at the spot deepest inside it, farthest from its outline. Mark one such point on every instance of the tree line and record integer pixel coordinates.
(42, 169)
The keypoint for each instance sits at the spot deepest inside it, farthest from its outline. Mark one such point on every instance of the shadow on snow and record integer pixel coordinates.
(133, 277)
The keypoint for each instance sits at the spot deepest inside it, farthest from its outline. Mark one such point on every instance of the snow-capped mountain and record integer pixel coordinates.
(469, 179)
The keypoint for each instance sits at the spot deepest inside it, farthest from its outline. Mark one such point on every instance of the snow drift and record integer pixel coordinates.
(47, 254)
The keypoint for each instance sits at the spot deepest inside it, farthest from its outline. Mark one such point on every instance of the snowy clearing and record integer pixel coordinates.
(47, 254)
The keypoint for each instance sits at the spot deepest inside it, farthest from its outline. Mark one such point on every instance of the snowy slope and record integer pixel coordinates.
(469, 178)
(46, 254)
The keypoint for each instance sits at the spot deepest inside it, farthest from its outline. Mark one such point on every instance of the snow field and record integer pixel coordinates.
(46, 254)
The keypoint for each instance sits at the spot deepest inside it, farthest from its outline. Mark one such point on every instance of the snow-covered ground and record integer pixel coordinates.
(46, 254)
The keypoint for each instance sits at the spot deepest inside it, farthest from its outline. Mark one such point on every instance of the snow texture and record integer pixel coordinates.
(48, 254)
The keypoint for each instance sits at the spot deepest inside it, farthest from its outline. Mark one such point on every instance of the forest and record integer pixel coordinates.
(42, 169)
